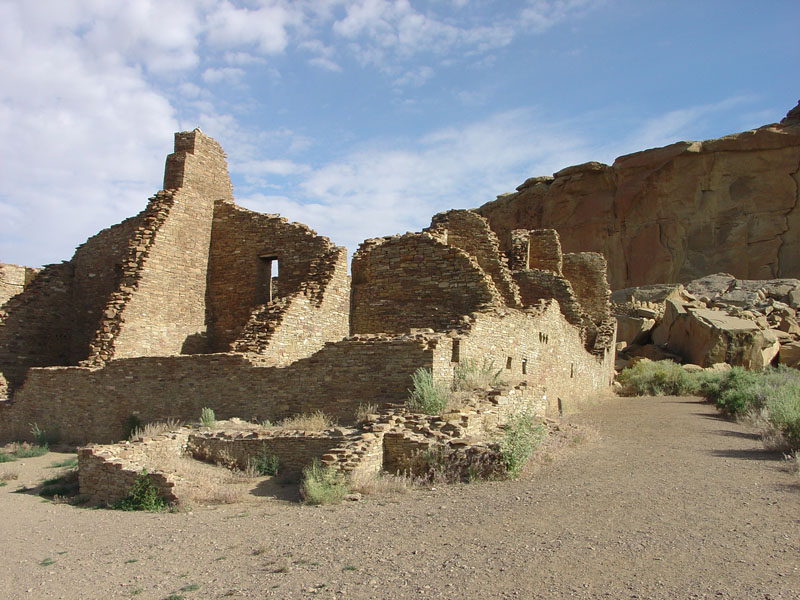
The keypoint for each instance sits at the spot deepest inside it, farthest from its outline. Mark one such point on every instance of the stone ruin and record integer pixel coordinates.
(196, 302)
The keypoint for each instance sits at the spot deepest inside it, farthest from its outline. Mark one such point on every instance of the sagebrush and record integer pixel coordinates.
(323, 484)
(427, 395)
(143, 495)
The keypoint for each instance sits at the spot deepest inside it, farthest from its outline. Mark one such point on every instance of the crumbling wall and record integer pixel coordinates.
(167, 312)
(470, 232)
(538, 346)
(99, 266)
(586, 271)
(294, 449)
(35, 325)
(13, 279)
(242, 243)
(85, 404)
(415, 281)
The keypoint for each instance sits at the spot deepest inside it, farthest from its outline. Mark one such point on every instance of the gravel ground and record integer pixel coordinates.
(672, 501)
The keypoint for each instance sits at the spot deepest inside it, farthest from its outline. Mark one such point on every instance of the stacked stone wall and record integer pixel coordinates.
(470, 232)
(106, 473)
(540, 347)
(166, 313)
(100, 266)
(536, 285)
(241, 243)
(36, 325)
(13, 279)
(83, 404)
(586, 271)
(294, 449)
(299, 324)
(415, 281)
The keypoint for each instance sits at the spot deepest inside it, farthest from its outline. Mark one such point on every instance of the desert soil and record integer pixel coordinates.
(671, 501)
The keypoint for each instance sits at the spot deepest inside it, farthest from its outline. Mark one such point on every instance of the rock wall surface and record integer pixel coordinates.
(675, 213)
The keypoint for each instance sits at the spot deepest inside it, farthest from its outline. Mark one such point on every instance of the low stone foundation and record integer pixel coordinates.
(390, 441)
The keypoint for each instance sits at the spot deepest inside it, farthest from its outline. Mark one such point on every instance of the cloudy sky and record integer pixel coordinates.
(360, 117)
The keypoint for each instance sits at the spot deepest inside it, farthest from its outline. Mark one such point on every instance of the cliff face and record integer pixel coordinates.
(675, 213)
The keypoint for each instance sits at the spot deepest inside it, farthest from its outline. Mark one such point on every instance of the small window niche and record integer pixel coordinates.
(455, 356)
(267, 287)
(524, 366)
(508, 363)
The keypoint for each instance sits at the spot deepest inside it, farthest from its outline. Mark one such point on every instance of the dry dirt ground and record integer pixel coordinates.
(672, 501)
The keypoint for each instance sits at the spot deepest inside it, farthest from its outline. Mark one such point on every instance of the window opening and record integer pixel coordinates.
(267, 289)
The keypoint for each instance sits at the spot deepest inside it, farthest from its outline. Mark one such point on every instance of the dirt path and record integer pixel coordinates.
(672, 502)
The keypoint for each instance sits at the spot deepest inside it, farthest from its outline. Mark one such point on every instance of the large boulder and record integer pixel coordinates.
(705, 337)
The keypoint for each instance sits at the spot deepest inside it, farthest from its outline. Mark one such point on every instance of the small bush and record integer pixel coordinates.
(427, 396)
(783, 411)
(7, 457)
(316, 421)
(67, 462)
(143, 495)
(323, 484)
(469, 375)
(207, 417)
(43, 438)
(520, 440)
(657, 378)
(265, 462)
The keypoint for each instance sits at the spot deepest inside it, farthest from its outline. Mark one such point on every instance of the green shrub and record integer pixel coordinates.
(42, 437)
(657, 378)
(428, 396)
(6, 457)
(207, 417)
(468, 374)
(29, 451)
(783, 411)
(520, 440)
(323, 484)
(265, 462)
(143, 495)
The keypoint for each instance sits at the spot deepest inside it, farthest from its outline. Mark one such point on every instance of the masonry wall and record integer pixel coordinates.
(35, 325)
(540, 347)
(13, 279)
(586, 271)
(470, 232)
(237, 277)
(98, 269)
(536, 285)
(415, 281)
(294, 450)
(84, 404)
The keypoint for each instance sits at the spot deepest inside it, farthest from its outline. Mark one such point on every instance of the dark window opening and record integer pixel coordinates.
(456, 353)
(267, 287)
(508, 363)
(524, 366)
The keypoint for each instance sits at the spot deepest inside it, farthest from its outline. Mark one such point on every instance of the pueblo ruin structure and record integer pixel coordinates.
(197, 302)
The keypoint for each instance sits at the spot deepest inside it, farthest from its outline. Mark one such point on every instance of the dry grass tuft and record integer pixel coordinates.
(154, 429)
(381, 484)
(8, 476)
(316, 421)
(364, 411)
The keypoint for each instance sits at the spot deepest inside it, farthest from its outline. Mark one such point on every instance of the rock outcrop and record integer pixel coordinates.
(714, 319)
(675, 213)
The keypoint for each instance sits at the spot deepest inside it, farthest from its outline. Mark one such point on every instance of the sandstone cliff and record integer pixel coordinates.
(675, 213)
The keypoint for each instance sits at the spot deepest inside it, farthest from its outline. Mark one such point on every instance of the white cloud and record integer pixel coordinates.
(267, 27)
(82, 133)
(223, 74)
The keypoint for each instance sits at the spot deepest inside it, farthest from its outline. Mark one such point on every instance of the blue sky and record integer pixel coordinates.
(360, 118)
